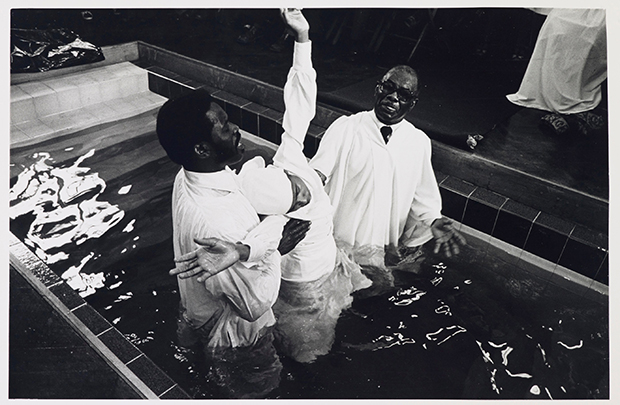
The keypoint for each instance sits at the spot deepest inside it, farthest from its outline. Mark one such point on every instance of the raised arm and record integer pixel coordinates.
(300, 90)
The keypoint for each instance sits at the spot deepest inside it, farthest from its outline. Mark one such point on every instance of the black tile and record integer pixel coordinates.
(151, 375)
(602, 275)
(175, 393)
(234, 113)
(480, 216)
(452, 204)
(582, 258)
(67, 295)
(92, 319)
(178, 89)
(545, 242)
(311, 144)
(249, 121)
(590, 237)
(119, 345)
(513, 223)
(270, 126)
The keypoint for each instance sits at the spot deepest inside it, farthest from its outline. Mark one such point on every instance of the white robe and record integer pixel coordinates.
(568, 65)
(236, 302)
(381, 193)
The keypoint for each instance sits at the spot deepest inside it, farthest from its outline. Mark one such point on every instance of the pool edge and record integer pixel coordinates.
(106, 340)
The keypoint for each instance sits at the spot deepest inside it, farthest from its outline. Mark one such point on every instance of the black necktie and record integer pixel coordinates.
(386, 132)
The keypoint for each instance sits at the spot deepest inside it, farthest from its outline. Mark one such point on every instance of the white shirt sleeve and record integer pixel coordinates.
(264, 239)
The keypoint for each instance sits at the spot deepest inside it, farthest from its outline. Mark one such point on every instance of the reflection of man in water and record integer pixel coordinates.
(229, 313)
(377, 170)
(317, 279)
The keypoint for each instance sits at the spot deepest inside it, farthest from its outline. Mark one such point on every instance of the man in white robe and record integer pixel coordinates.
(377, 171)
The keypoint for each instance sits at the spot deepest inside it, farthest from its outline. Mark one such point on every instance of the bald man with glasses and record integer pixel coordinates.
(377, 171)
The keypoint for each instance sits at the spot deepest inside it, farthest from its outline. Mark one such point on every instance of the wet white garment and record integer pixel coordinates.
(568, 65)
(318, 279)
(315, 255)
(237, 302)
(381, 193)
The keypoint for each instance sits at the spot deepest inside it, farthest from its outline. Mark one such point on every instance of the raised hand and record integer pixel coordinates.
(446, 238)
(213, 256)
(296, 21)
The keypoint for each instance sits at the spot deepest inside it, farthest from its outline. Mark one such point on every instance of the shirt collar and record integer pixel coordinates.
(380, 124)
(223, 180)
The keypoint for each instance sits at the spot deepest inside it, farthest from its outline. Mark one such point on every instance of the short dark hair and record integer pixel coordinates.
(182, 123)
(407, 70)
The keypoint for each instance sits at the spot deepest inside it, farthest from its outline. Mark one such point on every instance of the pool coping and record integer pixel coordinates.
(129, 362)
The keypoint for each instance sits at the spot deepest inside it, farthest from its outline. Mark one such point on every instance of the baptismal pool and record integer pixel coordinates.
(95, 206)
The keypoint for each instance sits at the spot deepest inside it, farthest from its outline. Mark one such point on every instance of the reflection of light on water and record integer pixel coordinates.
(579, 346)
(486, 356)
(448, 332)
(124, 190)
(444, 309)
(64, 203)
(406, 296)
(518, 375)
(129, 226)
(505, 354)
(84, 284)
(397, 339)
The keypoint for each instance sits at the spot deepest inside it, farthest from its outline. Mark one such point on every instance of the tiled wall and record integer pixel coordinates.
(560, 242)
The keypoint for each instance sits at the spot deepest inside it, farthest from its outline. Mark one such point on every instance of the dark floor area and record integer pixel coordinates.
(48, 359)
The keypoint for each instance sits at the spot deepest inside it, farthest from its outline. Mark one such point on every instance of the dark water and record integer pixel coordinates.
(468, 328)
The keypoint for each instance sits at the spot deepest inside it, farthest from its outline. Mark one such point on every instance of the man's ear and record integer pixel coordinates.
(203, 150)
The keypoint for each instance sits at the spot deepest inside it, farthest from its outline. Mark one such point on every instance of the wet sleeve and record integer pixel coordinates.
(264, 239)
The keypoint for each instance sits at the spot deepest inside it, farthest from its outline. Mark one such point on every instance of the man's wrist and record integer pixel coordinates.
(302, 36)
(243, 251)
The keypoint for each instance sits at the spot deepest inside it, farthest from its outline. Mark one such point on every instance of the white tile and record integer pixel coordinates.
(90, 93)
(47, 104)
(69, 99)
(17, 94)
(57, 122)
(35, 89)
(102, 112)
(23, 110)
(35, 129)
(17, 135)
(111, 89)
(60, 84)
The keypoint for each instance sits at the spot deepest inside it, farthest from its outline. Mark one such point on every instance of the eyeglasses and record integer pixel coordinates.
(404, 95)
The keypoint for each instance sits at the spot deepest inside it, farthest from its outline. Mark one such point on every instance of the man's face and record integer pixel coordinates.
(394, 97)
(225, 136)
